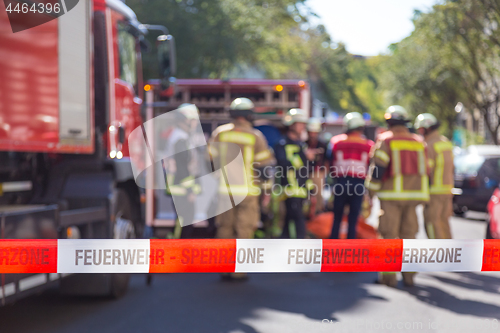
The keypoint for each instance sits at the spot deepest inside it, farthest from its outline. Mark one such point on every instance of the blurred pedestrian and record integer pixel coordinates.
(318, 165)
(399, 178)
(180, 171)
(440, 152)
(291, 171)
(242, 220)
(349, 157)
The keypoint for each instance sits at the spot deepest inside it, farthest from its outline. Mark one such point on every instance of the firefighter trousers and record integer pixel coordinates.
(318, 179)
(398, 220)
(294, 213)
(240, 221)
(185, 220)
(348, 191)
(437, 213)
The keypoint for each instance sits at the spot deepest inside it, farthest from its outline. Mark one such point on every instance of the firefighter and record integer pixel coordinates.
(180, 170)
(242, 220)
(399, 178)
(350, 160)
(318, 166)
(292, 157)
(440, 153)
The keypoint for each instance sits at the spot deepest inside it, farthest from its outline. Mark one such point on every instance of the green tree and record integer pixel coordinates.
(216, 38)
(451, 57)
(366, 74)
(417, 78)
(467, 33)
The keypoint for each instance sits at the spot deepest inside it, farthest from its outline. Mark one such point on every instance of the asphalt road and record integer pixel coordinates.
(312, 302)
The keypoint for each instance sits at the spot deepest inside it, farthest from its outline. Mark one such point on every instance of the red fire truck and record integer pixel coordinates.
(71, 91)
(272, 99)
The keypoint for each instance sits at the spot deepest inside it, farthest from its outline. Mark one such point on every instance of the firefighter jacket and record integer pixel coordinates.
(256, 156)
(180, 179)
(292, 172)
(321, 156)
(399, 170)
(350, 155)
(440, 152)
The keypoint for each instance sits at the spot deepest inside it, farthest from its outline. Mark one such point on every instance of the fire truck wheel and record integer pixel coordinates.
(121, 204)
(124, 229)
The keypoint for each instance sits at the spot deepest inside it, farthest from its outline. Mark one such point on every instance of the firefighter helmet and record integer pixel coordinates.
(295, 116)
(396, 114)
(241, 107)
(314, 125)
(190, 111)
(426, 120)
(354, 120)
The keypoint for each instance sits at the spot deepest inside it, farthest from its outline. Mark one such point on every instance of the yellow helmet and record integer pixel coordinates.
(295, 116)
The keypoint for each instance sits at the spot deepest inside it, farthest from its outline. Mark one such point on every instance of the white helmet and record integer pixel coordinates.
(190, 111)
(397, 113)
(295, 116)
(425, 120)
(314, 125)
(241, 107)
(354, 120)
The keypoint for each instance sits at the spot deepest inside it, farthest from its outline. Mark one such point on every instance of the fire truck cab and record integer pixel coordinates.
(71, 91)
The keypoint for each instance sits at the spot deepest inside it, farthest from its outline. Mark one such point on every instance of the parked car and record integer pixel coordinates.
(477, 174)
(493, 228)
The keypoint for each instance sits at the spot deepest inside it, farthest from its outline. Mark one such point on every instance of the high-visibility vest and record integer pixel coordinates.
(406, 176)
(349, 155)
(182, 186)
(255, 152)
(442, 166)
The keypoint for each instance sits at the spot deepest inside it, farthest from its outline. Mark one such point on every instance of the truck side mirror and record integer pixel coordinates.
(166, 59)
(121, 134)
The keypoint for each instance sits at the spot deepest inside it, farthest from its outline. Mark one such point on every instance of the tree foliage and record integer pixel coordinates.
(451, 57)
(223, 38)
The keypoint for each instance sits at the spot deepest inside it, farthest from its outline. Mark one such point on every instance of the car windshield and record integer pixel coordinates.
(468, 164)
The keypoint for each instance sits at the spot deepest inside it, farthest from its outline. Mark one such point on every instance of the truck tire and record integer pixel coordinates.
(122, 213)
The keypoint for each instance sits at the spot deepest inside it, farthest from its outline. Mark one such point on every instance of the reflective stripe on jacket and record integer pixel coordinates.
(292, 172)
(403, 158)
(440, 152)
(255, 153)
(350, 155)
(180, 181)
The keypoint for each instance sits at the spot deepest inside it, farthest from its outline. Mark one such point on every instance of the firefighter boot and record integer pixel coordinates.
(388, 278)
(408, 278)
(239, 276)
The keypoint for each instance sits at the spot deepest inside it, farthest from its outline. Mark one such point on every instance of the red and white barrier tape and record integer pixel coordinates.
(246, 255)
